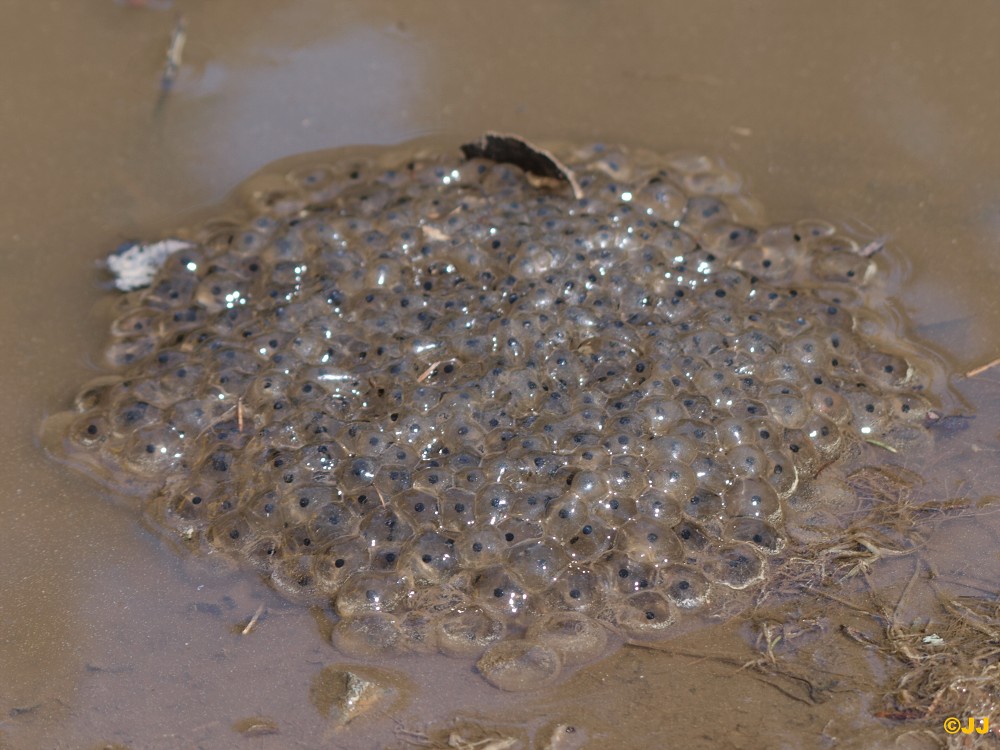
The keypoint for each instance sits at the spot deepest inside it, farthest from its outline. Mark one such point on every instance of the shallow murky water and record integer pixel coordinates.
(872, 119)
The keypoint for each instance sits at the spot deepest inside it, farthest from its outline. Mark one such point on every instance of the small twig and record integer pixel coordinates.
(873, 247)
(428, 372)
(253, 620)
(917, 568)
(175, 49)
(880, 444)
(983, 368)
(239, 413)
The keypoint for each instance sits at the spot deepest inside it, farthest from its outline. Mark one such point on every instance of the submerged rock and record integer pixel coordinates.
(465, 408)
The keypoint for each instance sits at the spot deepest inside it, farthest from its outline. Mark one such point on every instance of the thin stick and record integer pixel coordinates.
(875, 246)
(175, 50)
(880, 444)
(980, 370)
(253, 620)
(430, 370)
(239, 413)
(427, 373)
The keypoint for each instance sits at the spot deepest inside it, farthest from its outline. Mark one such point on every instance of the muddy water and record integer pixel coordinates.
(879, 116)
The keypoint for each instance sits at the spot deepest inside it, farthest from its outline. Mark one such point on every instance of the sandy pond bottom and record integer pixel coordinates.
(108, 638)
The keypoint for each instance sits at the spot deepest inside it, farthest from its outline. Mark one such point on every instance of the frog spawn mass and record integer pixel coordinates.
(479, 415)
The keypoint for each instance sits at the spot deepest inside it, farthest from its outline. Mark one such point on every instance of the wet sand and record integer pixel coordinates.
(875, 116)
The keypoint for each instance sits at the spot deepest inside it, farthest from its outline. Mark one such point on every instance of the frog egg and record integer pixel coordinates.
(829, 404)
(577, 638)
(311, 500)
(627, 476)
(371, 592)
(734, 432)
(713, 181)
(291, 575)
(431, 556)
(479, 547)
(419, 632)
(435, 479)
(262, 551)
(808, 351)
(356, 476)
(385, 527)
(494, 588)
(784, 477)
(885, 369)
(130, 414)
(516, 530)
(658, 415)
(492, 504)
(465, 434)
(725, 239)
(130, 350)
(752, 498)
(580, 588)
(590, 462)
(414, 430)
(747, 461)
(671, 448)
(700, 434)
(774, 256)
(755, 531)
(367, 634)
(736, 566)
(693, 537)
(469, 631)
(366, 440)
(585, 542)
(810, 230)
(335, 563)
(649, 541)
(824, 435)
(807, 459)
(840, 266)
(519, 666)
(908, 407)
(456, 509)
(87, 432)
(662, 505)
(391, 480)
(786, 405)
(318, 180)
(195, 506)
(537, 564)
(662, 200)
(782, 368)
(626, 575)
(685, 586)
(228, 532)
(644, 616)
(833, 244)
(705, 506)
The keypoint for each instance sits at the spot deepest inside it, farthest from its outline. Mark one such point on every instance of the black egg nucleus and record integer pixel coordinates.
(474, 412)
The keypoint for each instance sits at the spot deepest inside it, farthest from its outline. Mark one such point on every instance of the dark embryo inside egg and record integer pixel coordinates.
(481, 415)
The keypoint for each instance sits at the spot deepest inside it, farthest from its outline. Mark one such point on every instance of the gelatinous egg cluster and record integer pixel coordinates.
(479, 415)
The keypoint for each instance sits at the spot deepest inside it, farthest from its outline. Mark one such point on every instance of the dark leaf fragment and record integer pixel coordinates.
(543, 169)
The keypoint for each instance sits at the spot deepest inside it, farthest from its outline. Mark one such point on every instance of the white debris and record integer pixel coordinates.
(933, 640)
(134, 264)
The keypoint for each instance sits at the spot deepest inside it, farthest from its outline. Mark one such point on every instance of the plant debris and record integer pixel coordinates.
(542, 168)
